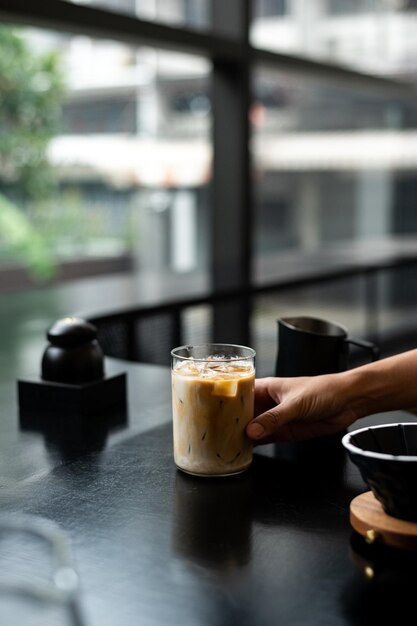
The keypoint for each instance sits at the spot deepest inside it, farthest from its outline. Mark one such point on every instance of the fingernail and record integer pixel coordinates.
(256, 431)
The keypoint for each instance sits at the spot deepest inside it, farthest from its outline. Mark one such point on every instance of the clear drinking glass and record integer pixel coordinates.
(212, 403)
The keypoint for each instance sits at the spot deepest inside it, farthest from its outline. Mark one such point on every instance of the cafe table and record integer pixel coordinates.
(152, 546)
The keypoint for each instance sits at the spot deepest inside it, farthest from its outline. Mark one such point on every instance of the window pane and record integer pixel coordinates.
(126, 149)
(332, 165)
(375, 36)
(335, 181)
(194, 14)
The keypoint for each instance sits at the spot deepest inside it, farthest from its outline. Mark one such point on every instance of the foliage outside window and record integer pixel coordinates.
(31, 93)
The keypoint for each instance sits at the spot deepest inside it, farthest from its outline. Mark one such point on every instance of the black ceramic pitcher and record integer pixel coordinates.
(308, 346)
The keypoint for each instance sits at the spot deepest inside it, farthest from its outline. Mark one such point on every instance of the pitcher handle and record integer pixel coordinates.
(366, 345)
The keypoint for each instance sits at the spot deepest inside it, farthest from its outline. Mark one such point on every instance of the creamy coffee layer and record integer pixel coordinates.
(212, 405)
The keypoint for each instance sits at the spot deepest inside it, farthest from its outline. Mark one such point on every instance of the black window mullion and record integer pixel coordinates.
(231, 248)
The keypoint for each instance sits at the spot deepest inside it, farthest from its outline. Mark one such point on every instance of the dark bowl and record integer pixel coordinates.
(386, 456)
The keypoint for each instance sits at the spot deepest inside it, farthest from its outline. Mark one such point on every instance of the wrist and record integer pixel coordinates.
(365, 390)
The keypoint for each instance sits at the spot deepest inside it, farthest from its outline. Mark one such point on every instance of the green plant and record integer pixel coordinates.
(24, 239)
(31, 93)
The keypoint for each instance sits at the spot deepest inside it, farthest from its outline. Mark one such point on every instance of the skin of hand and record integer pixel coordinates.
(295, 409)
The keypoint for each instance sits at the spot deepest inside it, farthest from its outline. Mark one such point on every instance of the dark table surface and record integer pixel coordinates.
(154, 546)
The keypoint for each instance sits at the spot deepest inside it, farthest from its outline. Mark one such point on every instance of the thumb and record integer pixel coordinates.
(264, 429)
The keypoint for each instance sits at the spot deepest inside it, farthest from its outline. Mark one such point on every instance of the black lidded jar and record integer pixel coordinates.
(73, 355)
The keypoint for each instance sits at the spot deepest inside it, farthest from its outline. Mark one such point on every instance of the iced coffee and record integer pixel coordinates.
(212, 398)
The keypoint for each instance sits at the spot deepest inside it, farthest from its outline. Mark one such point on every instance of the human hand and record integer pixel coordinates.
(295, 409)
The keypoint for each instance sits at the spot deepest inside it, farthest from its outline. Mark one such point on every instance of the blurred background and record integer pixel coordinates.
(115, 187)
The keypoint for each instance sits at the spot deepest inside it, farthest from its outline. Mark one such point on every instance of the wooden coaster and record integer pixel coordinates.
(368, 518)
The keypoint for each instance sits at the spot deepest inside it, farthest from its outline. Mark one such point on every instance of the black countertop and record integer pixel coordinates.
(154, 546)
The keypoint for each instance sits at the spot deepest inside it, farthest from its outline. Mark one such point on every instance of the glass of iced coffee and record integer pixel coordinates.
(212, 403)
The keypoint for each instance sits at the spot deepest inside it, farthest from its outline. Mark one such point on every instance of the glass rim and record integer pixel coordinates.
(248, 357)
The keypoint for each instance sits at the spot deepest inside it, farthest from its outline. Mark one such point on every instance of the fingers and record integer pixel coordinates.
(291, 421)
(267, 409)
(295, 409)
(265, 428)
(263, 399)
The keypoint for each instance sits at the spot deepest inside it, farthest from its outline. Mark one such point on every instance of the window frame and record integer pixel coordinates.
(227, 45)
